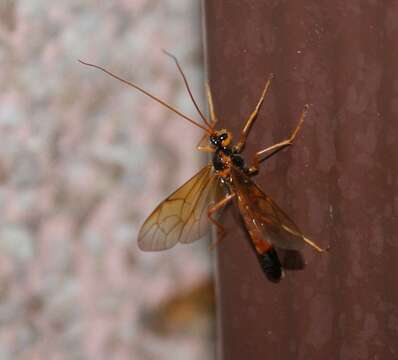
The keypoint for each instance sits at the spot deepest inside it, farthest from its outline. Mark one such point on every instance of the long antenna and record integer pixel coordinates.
(187, 87)
(147, 94)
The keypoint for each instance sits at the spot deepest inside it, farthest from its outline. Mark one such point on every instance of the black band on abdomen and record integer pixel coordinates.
(271, 265)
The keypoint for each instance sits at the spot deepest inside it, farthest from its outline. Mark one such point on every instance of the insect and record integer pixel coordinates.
(187, 214)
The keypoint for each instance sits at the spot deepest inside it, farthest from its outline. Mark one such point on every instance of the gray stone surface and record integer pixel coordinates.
(83, 161)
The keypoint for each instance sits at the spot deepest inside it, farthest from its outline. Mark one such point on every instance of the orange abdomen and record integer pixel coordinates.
(266, 254)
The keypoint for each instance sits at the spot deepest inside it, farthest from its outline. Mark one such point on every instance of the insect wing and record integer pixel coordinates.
(274, 224)
(182, 217)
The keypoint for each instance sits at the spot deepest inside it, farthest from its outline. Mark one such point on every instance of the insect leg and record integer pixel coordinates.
(204, 147)
(213, 120)
(305, 239)
(213, 116)
(276, 147)
(213, 209)
(245, 131)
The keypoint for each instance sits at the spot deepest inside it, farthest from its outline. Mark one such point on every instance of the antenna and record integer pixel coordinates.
(187, 87)
(147, 94)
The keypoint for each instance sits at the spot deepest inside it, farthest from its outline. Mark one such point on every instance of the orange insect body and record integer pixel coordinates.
(186, 215)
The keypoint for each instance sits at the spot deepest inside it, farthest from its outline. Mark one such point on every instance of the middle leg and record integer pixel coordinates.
(213, 209)
(278, 146)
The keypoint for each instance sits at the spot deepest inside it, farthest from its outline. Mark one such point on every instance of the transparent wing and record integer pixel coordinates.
(182, 217)
(274, 224)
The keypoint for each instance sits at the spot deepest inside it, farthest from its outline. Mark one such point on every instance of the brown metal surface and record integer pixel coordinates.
(338, 182)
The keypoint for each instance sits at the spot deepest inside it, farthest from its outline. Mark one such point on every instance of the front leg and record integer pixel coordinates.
(203, 145)
(213, 120)
(210, 104)
(276, 147)
(246, 129)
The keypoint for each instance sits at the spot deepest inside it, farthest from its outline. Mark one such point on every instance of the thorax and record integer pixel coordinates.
(224, 158)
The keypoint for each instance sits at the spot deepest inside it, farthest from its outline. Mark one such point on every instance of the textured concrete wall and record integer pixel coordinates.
(83, 160)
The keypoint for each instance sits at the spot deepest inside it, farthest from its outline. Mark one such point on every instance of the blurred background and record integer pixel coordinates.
(83, 160)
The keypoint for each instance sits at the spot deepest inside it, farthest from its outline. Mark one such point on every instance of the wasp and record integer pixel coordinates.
(187, 214)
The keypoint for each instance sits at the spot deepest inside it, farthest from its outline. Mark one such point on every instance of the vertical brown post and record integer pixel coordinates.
(338, 182)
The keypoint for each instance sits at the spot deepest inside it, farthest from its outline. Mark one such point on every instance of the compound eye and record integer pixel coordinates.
(213, 140)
